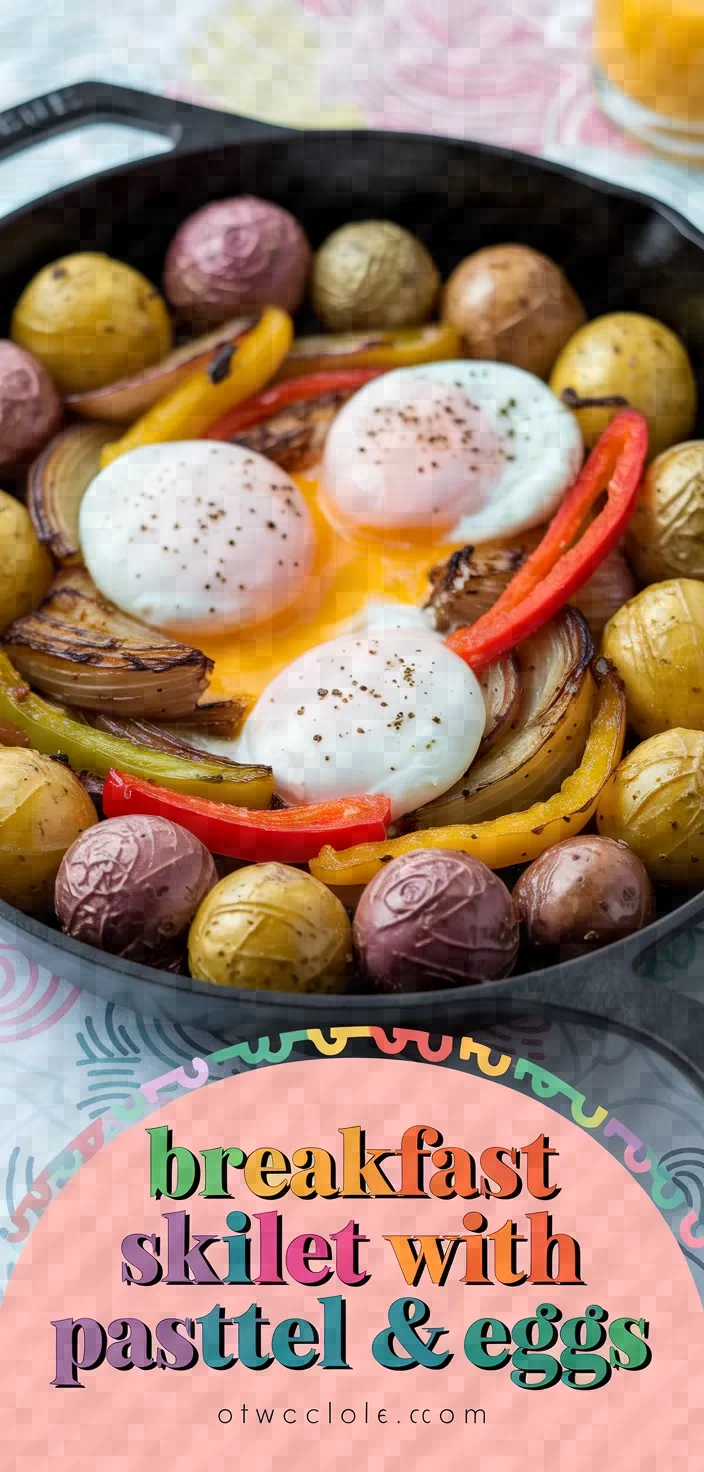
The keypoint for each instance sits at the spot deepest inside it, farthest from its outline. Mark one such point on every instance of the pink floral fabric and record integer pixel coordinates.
(506, 71)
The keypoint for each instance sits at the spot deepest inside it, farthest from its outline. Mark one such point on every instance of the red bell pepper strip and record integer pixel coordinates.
(556, 569)
(291, 835)
(272, 400)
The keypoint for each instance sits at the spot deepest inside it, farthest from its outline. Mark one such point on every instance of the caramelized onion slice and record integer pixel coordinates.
(608, 589)
(295, 438)
(501, 688)
(223, 718)
(154, 737)
(469, 583)
(80, 650)
(542, 743)
(121, 402)
(57, 481)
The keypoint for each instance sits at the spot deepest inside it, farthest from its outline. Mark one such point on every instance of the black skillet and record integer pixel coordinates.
(619, 249)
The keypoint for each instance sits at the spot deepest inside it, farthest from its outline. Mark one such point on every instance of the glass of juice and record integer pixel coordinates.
(649, 70)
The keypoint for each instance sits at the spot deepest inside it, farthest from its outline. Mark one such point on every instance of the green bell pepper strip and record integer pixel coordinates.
(56, 732)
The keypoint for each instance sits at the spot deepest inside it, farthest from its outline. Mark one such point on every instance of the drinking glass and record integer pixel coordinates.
(649, 70)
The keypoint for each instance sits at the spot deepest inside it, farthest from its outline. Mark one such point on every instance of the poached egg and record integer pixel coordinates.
(393, 712)
(466, 450)
(197, 537)
(300, 586)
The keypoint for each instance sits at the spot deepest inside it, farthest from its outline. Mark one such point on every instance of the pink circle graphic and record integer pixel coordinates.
(32, 999)
(347, 1263)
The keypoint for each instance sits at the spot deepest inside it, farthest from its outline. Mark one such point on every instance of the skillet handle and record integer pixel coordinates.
(189, 127)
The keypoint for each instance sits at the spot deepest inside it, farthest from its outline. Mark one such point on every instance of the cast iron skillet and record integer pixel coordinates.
(619, 249)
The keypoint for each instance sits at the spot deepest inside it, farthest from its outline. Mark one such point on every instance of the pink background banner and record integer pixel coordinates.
(509, 71)
(129, 1416)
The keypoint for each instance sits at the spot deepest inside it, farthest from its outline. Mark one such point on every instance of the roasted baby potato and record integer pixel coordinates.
(656, 642)
(583, 893)
(373, 274)
(27, 568)
(91, 320)
(666, 536)
(514, 305)
(43, 808)
(272, 928)
(655, 803)
(629, 360)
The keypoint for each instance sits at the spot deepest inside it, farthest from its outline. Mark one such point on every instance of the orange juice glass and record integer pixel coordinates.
(649, 70)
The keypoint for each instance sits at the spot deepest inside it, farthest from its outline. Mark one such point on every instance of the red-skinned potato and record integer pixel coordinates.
(30, 407)
(234, 255)
(583, 893)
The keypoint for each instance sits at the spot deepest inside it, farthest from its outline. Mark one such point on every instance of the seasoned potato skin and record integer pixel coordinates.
(666, 535)
(271, 927)
(27, 568)
(512, 305)
(373, 273)
(656, 642)
(654, 802)
(629, 356)
(583, 893)
(43, 809)
(91, 320)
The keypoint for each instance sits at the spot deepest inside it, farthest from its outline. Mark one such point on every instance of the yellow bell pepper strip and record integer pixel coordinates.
(437, 342)
(557, 569)
(55, 732)
(233, 374)
(519, 837)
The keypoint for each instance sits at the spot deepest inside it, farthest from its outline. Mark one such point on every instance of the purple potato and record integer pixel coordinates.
(233, 255)
(583, 893)
(132, 885)
(434, 919)
(30, 407)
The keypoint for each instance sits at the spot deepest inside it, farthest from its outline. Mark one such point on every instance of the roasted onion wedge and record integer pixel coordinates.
(608, 589)
(80, 650)
(295, 438)
(126, 400)
(57, 481)
(544, 741)
(154, 737)
(223, 718)
(469, 583)
(501, 688)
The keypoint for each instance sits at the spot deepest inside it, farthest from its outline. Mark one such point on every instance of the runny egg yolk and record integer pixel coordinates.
(218, 546)
(418, 463)
(351, 572)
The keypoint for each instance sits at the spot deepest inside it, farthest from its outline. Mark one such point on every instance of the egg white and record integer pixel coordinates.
(471, 450)
(393, 711)
(197, 536)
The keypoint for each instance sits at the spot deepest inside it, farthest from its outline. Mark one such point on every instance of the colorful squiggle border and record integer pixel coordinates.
(638, 1157)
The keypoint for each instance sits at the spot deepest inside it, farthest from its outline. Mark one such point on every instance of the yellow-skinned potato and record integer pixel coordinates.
(626, 355)
(27, 568)
(271, 927)
(92, 320)
(656, 642)
(375, 274)
(655, 803)
(665, 538)
(43, 809)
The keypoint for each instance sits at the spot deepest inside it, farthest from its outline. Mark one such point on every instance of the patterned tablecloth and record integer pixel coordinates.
(511, 71)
